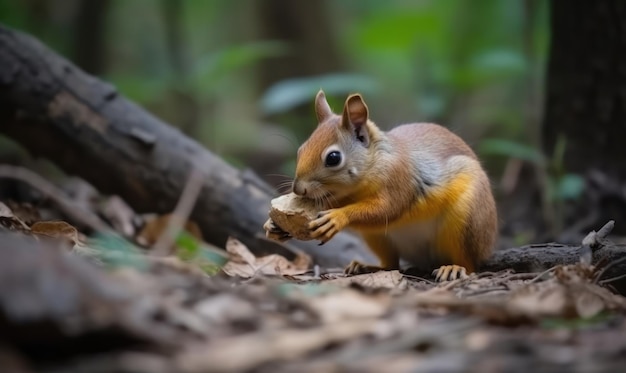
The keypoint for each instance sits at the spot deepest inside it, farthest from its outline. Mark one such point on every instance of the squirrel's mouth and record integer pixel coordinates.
(323, 198)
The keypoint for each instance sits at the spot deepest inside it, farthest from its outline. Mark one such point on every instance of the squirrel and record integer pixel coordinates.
(417, 192)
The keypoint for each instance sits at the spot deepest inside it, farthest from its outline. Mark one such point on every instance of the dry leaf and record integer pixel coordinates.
(238, 251)
(244, 264)
(240, 353)
(381, 279)
(570, 293)
(25, 212)
(10, 221)
(155, 226)
(539, 301)
(349, 304)
(223, 308)
(56, 229)
(588, 304)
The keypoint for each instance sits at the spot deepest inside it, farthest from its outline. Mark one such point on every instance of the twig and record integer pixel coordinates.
(607, 267)
(606, 229)
(451, 284)
(181, 213)
(518, 276)
(481, 291)
(539, 276)
(594, 241)
(494, 274)
(418, 278)
(612, 279)
(73, 210)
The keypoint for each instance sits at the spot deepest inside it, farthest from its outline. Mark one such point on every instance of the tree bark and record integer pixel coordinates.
(89, 32)
(305, 25)
(87, 128)
(586, 100)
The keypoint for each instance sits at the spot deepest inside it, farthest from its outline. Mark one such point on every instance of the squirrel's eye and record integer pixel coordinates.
(333, 159)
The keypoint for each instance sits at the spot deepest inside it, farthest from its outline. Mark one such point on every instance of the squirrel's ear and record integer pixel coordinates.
(322, 109)
(355, 115)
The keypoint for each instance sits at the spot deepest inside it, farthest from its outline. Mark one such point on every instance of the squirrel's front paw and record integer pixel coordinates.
(450, 272)
(327, 224)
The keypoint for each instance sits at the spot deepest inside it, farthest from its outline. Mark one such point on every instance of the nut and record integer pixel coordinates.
(292, 214)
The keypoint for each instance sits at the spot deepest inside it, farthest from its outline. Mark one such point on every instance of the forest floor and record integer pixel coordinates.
(69, 303)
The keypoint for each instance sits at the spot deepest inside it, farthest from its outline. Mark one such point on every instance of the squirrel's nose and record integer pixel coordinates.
(298, 188)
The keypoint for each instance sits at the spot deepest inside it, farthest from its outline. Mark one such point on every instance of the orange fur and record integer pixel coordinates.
(416, 192)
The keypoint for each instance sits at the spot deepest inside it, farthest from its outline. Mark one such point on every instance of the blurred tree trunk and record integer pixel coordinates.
(586, 98)
(38, 15)
(186, 107)
(172, 13)
(89, 29)
(306, 26)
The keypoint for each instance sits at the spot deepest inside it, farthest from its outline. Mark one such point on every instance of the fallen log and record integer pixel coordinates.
(87, 128)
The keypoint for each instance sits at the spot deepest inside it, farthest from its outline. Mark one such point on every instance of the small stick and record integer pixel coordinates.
(608, 266)
(539, 276)
(594, 239)
(180, 214)
(418, 278)
(612, 279)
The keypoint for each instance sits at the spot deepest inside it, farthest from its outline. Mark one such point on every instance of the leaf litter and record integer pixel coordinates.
(71, 303)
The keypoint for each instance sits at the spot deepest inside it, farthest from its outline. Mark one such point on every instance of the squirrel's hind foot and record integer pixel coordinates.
(449, 273)
(358, 268)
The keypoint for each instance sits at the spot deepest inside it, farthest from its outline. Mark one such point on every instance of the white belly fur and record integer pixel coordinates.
(415, 243)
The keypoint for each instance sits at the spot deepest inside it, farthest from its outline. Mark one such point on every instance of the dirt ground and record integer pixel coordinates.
(93, 306)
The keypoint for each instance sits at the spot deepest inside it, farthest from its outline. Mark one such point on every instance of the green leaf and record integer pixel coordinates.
(140, 88)
(499, 62)
(187, 246)
(189, 249)
(510, 149)
(570, 186)
(228, 60)
(287, 94)
(488, 67)
(117, 252)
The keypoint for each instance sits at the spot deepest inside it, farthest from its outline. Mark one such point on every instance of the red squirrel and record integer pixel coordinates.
(417, 192)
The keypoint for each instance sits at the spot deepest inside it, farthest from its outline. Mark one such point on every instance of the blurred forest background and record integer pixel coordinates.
(240, 77)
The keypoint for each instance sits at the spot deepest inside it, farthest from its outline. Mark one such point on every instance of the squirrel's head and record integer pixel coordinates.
(336, 155)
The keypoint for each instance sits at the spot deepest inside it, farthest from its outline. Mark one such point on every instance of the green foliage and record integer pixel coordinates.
(227, 61)
(562, 185)
(569, 186)
(115, 251)
(558, 187)
(208, 75)
(439, 50)
(463, 63)
(288, 94)
(511, 149)
(189, 249)
(488, 67)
